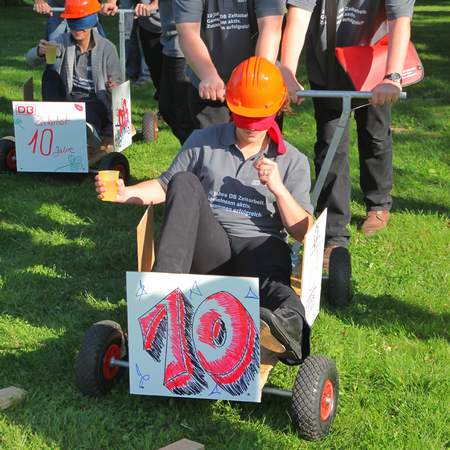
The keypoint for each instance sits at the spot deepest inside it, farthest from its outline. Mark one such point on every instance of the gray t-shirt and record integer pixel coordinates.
(169, 35)
(241, 204)
(228, 28)
(359, 22)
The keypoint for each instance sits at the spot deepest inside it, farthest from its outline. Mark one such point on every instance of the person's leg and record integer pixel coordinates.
(191, 240)
(97, 115)
(152, 49)
(132, 49)
(173, 97)
(375, 156)
(268, 258)
(335, 194)
(53, 89)
(205, 113)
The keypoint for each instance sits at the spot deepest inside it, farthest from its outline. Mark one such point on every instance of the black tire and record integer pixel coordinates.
(93, 375)
(149, 127)
(8, 155)
(312, 415)
(116, 161)
(339, 290)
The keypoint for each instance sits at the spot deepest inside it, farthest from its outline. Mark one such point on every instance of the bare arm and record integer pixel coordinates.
(295, 219)
(145, 193)
(399, 34)
(269, 37)
(211, 86)
(297, 21)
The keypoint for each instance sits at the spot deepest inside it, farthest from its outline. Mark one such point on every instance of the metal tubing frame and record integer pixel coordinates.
(347, 97)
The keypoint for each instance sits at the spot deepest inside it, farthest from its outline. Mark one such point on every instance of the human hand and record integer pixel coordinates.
(269, 175)
(109, 8)
(386, 92)
(111, 84)
(212, 88)
(42, 7)
(121, 190)
(143, 10)
(42, 48)
(292, 85)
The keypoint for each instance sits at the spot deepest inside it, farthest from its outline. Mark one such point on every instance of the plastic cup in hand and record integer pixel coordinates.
(50, 54)
(109, 179)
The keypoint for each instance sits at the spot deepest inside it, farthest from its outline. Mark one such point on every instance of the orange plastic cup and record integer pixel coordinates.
(109, 179)
(50, 54)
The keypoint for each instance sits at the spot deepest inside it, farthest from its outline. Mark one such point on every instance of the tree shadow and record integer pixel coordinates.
(389, 315)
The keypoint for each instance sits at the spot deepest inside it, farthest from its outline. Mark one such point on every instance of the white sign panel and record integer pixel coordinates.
(121, 107)
(194, 336)
(50, 136)
(312, 268)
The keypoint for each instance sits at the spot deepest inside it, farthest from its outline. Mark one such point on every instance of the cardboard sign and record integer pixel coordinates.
(121, 108)
(194, 336)
(312, 268)
(50, 137)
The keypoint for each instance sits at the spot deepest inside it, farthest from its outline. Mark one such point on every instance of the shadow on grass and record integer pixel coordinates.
(391, 315)
(54, 404)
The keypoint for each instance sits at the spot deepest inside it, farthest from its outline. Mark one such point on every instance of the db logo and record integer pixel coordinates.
(25, 109)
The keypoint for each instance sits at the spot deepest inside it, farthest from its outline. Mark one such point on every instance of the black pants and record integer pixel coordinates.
(193, 241)
(53, 90)
(375, 163)
(204, 113)
(152, 49)
(173, 96)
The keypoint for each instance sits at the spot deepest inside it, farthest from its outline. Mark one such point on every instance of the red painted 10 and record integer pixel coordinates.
(219, 338)
(46, 137)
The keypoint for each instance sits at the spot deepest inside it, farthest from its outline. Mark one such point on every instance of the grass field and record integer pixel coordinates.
(63, 258)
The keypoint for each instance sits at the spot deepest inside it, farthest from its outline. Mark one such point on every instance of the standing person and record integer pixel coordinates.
(173, 94)
(215, 36)
(232, 194)
(149, 25)
(354, 22)
(87, 66)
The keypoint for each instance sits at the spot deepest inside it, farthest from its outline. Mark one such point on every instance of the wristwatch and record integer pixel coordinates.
(394, 76)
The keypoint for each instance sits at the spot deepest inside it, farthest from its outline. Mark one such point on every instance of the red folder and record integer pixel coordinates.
(366, 64)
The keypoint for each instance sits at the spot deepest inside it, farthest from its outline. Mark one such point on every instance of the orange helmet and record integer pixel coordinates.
(76, 9)
(256, 88)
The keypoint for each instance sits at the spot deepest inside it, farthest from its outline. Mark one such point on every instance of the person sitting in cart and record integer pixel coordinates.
(86, 69)
(232, 194)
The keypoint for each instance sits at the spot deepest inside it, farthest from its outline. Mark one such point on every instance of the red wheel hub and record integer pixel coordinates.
(327, 400)
(113, 351)
(11, 162)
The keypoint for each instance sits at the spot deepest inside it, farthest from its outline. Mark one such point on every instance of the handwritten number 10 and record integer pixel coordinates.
(33, 141)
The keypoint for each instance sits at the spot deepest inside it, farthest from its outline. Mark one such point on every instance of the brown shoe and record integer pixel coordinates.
(326, 256)
(374, 222)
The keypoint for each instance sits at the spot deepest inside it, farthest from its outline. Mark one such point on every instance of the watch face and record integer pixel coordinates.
(395, 76)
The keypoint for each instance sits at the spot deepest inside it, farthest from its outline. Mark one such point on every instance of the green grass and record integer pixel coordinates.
(63, 257)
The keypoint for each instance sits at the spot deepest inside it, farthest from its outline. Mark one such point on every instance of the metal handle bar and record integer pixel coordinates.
(339, 94)
(126, 11)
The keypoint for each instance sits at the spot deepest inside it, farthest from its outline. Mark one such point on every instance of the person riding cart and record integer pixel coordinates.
(86, 67)
(233, 194)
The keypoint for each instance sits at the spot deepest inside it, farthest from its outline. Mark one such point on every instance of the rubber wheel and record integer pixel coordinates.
(339, 291)
(315, 397)
(8, 161)
(93, 374)
(116, 161)
(149, 127)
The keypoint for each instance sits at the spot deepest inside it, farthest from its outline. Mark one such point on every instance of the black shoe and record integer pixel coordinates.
(286, 327)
